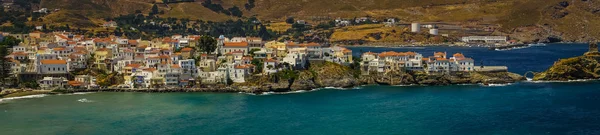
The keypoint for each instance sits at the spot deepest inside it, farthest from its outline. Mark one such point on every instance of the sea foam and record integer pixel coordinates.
(569, 81)
(83, 100)
(23, 97)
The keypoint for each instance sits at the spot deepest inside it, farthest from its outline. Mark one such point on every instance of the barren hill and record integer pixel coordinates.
(571, 20)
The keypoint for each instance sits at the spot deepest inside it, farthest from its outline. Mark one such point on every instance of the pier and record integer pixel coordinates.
(508, 47)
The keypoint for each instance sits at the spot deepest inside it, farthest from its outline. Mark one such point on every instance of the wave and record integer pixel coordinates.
(337, 88)
(77, 93)
(301, 91)
(569, 81)
(23, 97)
(496, 85)
(83, 100)
(405, 85)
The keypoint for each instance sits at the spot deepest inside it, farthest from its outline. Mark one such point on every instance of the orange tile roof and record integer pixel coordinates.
(237, 52)
(53, 61)
(164, 56)
(74, 83)
(62, 36)
(458, 55)
(236, 44)
(440, 59)
(246, 66)
(134, 65)
(439, 54)
(347, 51)
(175, 66)
(187, 49)
(19, 54)
(133, 42)
(270, 60)
(150, 69)
(58, 49)
(96, 40)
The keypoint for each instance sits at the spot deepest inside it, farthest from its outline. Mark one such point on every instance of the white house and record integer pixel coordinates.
(241, 72)
(52, 82)
(296, 60)
(53, 67)
(229, 47)
(188, 67)
(270, 66)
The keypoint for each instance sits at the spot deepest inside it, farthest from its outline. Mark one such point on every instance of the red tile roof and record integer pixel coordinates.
(19, 54)
(58, 49)
(133, 42)
(134, 65)
(236, 44)
(270, 60)
(187, 49)
(458, 55)
(53, 61)
(246, 66)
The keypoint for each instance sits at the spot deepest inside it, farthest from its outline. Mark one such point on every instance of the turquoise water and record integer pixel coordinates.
(522, 108)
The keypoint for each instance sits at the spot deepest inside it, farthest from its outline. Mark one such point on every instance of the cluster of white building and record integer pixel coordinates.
(172, 61)
(412, 61)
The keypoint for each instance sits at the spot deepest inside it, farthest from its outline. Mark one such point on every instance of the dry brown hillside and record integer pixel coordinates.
(573, 20)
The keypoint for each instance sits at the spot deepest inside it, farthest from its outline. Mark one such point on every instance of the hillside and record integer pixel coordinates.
(574, 20)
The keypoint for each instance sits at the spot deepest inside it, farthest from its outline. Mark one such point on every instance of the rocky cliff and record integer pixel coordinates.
(582, 67)
(421, 78)
(327, 74)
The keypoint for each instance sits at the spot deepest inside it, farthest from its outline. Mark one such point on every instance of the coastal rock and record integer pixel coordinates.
(582, 67)
(328, 74)
(423, 78)
(305, 81)
(390, 78)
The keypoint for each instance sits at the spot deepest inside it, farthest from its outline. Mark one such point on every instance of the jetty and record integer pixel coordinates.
(508, 47)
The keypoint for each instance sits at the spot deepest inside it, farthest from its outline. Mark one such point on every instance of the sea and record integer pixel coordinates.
(531, 108)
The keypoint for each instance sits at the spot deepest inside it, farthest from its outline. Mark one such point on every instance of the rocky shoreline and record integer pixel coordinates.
(576, 68)
(327, 75)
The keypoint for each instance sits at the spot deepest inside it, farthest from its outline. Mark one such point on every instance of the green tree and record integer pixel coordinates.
(207, 44)
(10, 41)
(290, 20)
(264, 33)
(235, 11)
(4, 65)
(154, 10)
(251, 52)
(259, 65)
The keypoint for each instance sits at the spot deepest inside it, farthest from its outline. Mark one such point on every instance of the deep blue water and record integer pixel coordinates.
(523, 108)
(536, 59)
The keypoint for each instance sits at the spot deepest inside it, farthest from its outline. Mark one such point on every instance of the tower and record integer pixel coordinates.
(593, 50)
(593, 47)
(415, 27)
